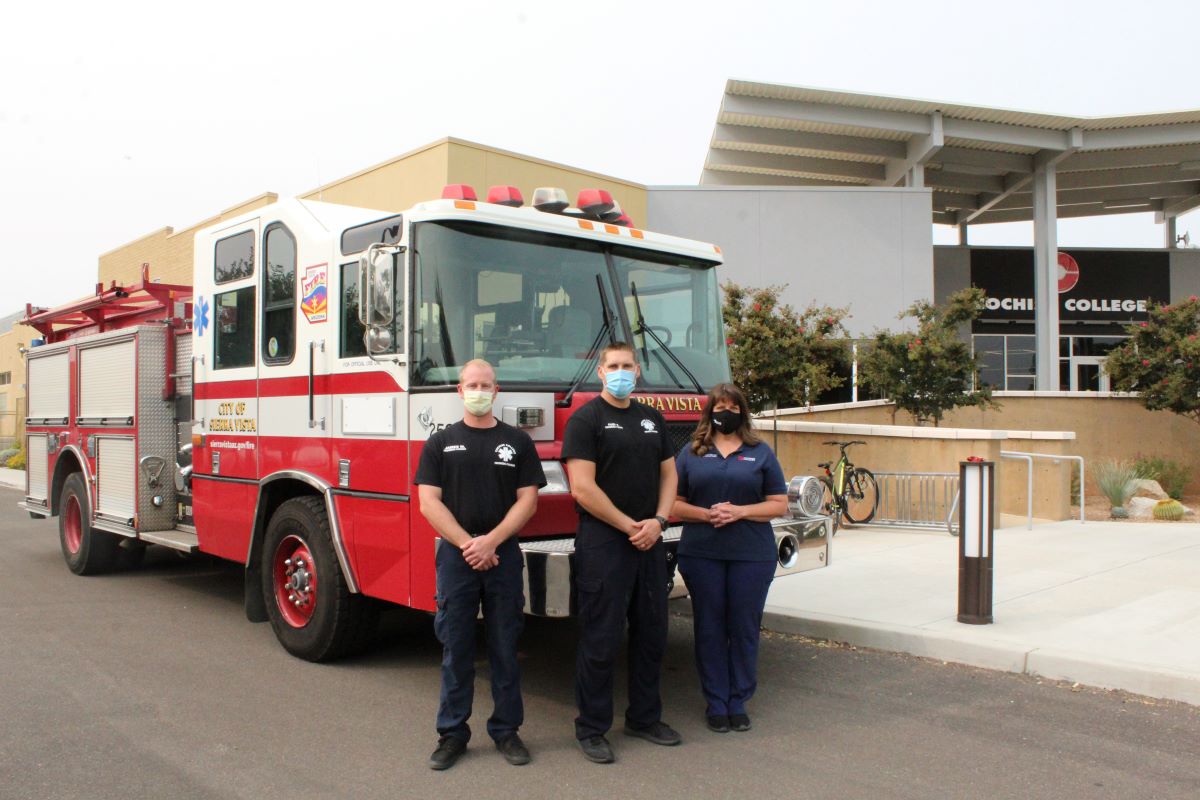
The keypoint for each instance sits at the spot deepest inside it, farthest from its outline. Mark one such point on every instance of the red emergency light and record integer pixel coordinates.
(594, 202)
(459, 191)
(505, 196)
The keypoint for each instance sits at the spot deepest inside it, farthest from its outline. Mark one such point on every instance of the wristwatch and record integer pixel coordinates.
(662, 522)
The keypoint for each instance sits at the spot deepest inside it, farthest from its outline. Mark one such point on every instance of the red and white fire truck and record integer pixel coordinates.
(273, 412)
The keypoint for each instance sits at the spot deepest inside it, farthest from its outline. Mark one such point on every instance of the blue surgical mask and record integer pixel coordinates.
(619, 383)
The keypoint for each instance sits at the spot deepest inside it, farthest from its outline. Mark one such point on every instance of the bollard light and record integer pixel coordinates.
(976, 499)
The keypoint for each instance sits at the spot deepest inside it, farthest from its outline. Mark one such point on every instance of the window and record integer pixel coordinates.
(384, 231)
(3, 402)
(279, 295)
(352, 344)
(233, 329)
(5, 378)
(234, 257)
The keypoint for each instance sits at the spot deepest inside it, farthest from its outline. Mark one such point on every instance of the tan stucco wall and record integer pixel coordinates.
(394, 185)
(12, 418)
(168, 252)
(420, 175)
(482, 167)
(1105, 426)
(800, 451)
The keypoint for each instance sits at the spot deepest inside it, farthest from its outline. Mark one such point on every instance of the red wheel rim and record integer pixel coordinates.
(294, 576)
(73, 525)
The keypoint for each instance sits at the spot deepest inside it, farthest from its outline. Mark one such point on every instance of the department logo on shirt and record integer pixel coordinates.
(613, 426)
(648, 426)
(506, 454)
(746, 458)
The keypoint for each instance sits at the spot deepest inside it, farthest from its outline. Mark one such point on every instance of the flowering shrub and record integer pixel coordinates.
(1159, 360)
(780, 356)
(929, 372)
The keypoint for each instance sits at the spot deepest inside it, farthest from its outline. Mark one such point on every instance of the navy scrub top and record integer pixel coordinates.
(747, 476)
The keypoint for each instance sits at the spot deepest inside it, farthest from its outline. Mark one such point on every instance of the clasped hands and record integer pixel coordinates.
(480, 553)
(722, 514)
(645, 533)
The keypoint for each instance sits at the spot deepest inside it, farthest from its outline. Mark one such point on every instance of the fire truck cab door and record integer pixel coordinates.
(294, 356)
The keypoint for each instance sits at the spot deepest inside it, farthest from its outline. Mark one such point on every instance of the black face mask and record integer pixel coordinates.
(726, 421)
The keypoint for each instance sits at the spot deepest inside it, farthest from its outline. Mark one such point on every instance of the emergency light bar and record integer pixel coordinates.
(550, 199)
(505, 196)
(459, 191)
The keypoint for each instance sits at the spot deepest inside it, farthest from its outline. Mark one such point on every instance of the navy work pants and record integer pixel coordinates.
(460, 590)
(727, 608)
(618, 584)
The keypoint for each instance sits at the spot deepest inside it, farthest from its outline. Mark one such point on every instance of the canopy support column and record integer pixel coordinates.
(1045, 272)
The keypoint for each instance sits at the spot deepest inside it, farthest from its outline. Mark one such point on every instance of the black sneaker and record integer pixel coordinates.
(448, 750)
(657, 732)
(597, 748)
(739, 722)
(513, 749)
(718, 723)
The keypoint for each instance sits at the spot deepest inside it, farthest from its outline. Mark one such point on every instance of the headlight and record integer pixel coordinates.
(805, 496)
(556, 478)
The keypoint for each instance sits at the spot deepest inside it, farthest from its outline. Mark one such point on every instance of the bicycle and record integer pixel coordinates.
(850, 491)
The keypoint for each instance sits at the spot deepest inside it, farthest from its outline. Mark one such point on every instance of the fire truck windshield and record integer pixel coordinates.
(528, 303)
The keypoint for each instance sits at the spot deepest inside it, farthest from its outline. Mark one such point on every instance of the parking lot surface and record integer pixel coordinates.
(151, 684)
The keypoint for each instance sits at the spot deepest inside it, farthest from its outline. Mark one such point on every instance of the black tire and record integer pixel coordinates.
(331, 622)
(862, 496)
(834, 515)
(86, 551)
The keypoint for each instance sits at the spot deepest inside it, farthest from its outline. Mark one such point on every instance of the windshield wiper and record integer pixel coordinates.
(587, 366)
(643, 329)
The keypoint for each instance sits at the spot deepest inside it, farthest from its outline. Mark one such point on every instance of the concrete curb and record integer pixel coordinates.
(993, 654)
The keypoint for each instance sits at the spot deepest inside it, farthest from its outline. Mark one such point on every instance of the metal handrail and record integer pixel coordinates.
(1028, 459)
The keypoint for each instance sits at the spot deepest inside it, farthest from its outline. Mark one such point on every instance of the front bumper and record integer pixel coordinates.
(800, 544)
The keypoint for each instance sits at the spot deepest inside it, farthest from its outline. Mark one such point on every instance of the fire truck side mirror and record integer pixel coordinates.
(376, 273)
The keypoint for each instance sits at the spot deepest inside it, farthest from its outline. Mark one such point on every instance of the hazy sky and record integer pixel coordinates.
(120, 118)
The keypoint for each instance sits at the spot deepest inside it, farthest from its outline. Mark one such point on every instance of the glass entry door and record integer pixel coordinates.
(1088, 375)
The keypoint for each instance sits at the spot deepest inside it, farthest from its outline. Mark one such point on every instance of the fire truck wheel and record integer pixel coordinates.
(86, 551)
(313, 612)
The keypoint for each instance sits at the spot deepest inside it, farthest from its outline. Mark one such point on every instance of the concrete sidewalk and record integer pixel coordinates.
(1115, 605)
(12, 478)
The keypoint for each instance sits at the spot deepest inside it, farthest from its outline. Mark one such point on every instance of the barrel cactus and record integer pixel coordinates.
(1168, 509)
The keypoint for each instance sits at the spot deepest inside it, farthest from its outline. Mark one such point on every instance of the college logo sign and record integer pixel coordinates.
(1068, 272)
(1115, 286)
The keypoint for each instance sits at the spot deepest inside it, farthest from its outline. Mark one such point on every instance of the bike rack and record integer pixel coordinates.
(1028, 459)
(917, 500)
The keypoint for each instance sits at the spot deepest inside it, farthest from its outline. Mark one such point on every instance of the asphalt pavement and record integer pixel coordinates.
(151, 684)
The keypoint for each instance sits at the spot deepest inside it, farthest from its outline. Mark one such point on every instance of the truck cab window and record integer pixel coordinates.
(352, 344)
(279, 295)
(233, 329)
(233, 257)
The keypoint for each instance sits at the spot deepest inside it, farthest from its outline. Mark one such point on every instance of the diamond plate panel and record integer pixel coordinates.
(156, 429)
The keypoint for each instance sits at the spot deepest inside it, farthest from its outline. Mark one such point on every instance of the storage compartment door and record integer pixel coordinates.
(107, 377)
(116, 478)
(49, 389)
(37, 467)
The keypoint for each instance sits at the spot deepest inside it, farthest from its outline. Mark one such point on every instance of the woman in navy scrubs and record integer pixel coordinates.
(730, 488)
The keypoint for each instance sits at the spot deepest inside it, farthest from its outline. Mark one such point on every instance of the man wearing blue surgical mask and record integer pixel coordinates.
(622, 470)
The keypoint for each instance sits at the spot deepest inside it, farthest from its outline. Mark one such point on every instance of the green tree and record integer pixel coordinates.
(929, 372)
(780, 356)
(1159, 358)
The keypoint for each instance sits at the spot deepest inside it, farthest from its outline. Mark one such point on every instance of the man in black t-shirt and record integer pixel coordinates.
(622, 470)
(478, 483)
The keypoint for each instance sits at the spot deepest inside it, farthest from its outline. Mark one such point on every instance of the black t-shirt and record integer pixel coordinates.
(628, 445)
(479, 471)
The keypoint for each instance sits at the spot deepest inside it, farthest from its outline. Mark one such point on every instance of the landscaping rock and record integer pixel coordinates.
(1143, 508)
(1149, 488)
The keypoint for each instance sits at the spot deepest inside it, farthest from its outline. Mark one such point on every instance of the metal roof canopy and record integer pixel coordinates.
(978, 161)
(982, 164)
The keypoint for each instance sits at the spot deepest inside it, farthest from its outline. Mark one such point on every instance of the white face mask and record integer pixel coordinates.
(477, 403)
